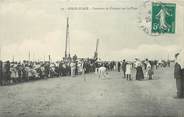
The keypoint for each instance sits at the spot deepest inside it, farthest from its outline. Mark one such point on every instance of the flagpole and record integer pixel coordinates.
(49, 58)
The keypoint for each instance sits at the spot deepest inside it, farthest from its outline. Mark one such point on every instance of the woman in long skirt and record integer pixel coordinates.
(139, 71)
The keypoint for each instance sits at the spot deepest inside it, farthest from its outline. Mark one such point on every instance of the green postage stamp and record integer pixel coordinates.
(163, 17)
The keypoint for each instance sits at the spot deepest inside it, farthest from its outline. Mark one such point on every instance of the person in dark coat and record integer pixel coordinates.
(168, 63)
(119, 66)
(139, 71)
(60, 68)
(47, 70)
(179, 79)
(150, 72)
(19, 67)
(1, 72)
(7, 72)
(85, 66)
(68, 70)
(24, 74)
(76, 68)
(124, 68)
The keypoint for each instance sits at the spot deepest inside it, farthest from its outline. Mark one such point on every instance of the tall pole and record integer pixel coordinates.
(96, 51)
(49, 63)
(97, 43)
(49, 58)
(68, 44)
(67, 33)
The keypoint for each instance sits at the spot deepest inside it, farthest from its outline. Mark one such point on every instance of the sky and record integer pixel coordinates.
(39, 26)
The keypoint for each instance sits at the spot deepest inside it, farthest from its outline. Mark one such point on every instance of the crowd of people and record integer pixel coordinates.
(139, 66)
(17, 72)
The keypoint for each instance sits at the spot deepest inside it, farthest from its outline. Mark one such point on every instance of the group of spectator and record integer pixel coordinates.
(17, 72)
(145, 65)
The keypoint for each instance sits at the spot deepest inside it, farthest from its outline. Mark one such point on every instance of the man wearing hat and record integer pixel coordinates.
(179, 77)
(1, 73)
(124, 68)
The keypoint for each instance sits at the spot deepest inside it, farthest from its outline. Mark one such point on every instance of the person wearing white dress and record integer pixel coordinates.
(148, 67)
(72, 65)
(128, 71)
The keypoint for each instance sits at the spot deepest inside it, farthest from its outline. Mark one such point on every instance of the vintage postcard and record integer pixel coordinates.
(91, 58)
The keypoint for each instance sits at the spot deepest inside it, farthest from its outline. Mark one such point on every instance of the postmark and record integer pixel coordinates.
(156, 18)
(163, 17)
(145, 19)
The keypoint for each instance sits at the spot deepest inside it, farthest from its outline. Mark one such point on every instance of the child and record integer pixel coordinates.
(128, 71)
(150, 73)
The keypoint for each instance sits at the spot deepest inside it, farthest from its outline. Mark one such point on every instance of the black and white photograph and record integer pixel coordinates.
(91, 58)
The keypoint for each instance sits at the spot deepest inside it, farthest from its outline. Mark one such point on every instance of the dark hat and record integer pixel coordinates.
(176, 55)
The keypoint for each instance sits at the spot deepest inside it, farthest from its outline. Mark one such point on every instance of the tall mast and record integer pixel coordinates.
(49, 58)
(97, 42)
(67, 34)
(96, 50)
